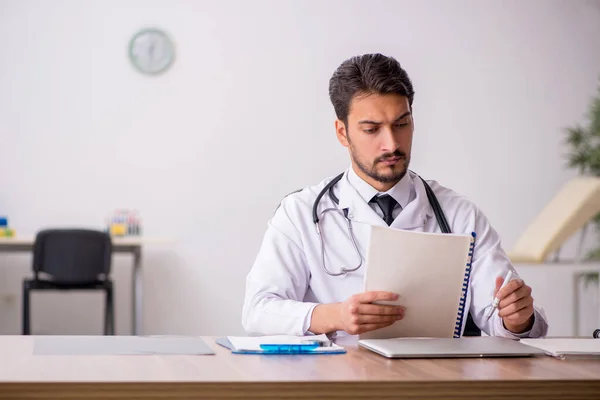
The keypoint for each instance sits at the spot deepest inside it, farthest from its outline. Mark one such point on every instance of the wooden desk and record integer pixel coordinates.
(357, 374)
(132, 245)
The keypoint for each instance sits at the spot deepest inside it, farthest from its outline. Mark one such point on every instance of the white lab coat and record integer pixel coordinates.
(287, 279)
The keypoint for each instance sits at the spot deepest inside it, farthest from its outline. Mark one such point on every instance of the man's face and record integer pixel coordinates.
(378, 136)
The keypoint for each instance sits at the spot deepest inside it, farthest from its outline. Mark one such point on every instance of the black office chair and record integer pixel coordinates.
(71, 259)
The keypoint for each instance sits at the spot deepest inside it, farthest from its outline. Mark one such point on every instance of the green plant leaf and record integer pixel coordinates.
(593, 255)
(580, 159)
(575, 136)
(590, 278)
(594, 116)
(584, 143)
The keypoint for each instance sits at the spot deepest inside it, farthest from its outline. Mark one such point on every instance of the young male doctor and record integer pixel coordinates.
(294, 289)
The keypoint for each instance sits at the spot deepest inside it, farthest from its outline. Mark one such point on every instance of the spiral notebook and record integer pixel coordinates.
(429, 271)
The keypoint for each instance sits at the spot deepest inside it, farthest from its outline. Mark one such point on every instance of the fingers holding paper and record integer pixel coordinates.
(358, 314)
(516, 305)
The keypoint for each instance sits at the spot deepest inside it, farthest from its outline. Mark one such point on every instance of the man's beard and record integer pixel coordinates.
(372, 172)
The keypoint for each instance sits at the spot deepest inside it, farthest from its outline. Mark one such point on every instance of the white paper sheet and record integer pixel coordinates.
(566, 346)
(427, 270)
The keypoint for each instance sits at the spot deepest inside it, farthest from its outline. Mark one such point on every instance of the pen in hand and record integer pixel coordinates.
(496, 299)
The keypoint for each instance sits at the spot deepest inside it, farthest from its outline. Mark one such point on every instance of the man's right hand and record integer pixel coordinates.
(357, 314)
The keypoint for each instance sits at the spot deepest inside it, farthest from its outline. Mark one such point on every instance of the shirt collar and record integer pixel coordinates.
(402, 192)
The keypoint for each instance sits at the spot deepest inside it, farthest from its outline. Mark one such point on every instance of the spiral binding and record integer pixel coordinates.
(465, 289)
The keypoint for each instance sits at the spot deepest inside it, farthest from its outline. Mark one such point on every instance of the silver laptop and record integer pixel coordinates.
(464, 347)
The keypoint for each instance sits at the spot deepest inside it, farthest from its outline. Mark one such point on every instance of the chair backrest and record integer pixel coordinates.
(72, 255)
(574, 206)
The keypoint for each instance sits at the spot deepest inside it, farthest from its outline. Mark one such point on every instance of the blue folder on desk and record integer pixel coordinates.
(281, 344)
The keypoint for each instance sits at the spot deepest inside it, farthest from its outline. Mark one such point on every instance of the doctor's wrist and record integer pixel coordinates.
(325, 318)
(519, 328)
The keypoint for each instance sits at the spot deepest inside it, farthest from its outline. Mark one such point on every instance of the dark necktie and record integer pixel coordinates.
(387, 204)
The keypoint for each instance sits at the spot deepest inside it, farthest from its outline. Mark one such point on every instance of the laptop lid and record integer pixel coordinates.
(449, 347)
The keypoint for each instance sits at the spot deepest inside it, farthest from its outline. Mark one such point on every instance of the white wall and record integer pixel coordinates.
(206, 151)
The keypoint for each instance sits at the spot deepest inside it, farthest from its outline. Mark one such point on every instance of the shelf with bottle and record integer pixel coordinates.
(124, 222)
(5, 230)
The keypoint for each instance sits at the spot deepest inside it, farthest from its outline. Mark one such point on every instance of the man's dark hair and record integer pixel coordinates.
(367, 74)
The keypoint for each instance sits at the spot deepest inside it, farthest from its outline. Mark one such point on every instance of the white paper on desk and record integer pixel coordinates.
(566, 346)
(252, 343)
(426, 270)
(120, 345)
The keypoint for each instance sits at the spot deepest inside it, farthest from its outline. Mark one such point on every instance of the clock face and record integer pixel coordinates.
(151, 51)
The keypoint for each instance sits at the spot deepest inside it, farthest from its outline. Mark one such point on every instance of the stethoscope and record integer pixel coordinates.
(435, 205)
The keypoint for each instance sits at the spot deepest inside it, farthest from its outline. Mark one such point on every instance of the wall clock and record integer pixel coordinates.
(151, 51)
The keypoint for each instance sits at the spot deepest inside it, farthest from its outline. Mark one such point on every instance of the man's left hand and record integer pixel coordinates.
(516, 305)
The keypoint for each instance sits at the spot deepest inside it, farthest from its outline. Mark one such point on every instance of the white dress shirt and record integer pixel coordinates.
(403, 192)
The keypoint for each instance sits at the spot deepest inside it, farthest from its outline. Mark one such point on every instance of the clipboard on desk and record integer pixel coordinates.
(280, 345)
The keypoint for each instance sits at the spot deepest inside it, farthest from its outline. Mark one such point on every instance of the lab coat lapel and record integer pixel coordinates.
(358, 209)
(418, 211)
(413, 216)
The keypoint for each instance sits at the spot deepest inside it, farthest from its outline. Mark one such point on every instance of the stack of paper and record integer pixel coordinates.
(570, 346)
(281, 344)
(427, 271)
